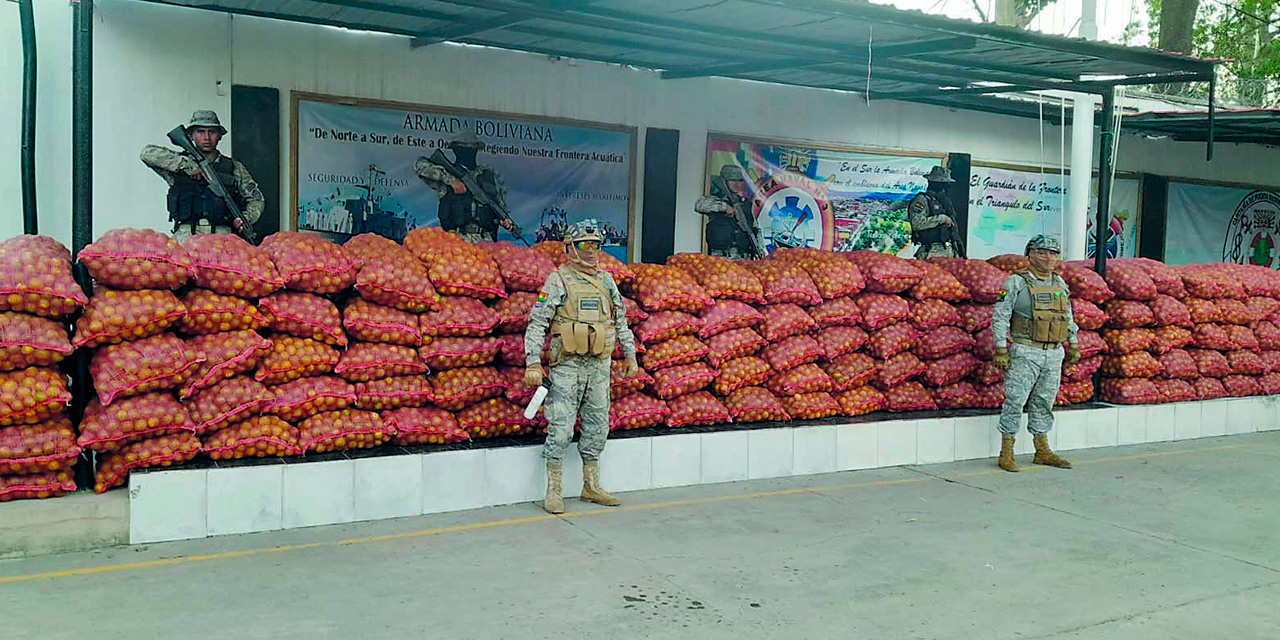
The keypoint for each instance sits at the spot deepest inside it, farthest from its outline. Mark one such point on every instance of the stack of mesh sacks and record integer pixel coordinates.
(37, 443)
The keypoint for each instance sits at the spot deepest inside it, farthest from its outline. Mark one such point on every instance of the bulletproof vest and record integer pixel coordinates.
(459, 212)
(932, 235)
(724, 233)
(584, 323)
(191, 201)
(1049, 306)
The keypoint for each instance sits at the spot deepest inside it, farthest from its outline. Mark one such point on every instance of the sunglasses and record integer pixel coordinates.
(586, 245)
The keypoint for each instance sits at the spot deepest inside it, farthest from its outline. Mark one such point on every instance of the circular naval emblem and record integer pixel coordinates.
(1254, 227)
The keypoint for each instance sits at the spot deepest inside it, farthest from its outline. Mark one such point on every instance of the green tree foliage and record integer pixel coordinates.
(1241, 31)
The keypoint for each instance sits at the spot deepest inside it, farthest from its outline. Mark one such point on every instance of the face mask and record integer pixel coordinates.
(466, 156)
(586, 260)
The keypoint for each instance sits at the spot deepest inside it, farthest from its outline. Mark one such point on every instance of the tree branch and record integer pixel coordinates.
(981, 14)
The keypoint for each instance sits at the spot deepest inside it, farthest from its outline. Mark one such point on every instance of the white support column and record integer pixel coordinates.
(1080, 190)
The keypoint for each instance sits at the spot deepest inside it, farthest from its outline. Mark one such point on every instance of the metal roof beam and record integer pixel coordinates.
(326, 22)
(501, 21)
(878, 53)
(370, 5)
(1086, 86)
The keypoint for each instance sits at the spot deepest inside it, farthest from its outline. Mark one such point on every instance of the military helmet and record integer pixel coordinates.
(467, 138)
(1043, 242)
(587, 230)
(206, 119)
(731, 172)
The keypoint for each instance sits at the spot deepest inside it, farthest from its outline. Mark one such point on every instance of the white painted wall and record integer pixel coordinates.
(155, 64)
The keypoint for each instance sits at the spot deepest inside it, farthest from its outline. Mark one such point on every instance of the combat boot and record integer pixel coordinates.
(591, 491)
(1006, 461)
(554, 502)
(1045, 455)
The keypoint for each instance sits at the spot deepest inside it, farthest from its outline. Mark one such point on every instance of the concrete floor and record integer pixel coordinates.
(1177, 540)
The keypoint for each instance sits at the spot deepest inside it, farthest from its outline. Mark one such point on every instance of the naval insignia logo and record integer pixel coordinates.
(1252, 233)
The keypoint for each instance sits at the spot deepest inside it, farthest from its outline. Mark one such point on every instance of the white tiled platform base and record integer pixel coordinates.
(195, 503)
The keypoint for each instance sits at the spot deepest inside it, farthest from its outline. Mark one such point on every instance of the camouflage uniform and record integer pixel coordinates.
(459, 212)
(919, 213)
(1034, 372)
(167, 163)
(579, 384)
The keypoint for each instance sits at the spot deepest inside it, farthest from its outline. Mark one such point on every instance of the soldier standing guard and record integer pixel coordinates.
(583, 309)
(459, 212)
(193, 208)
(725, 237)
(1031, 322)
(932, 217)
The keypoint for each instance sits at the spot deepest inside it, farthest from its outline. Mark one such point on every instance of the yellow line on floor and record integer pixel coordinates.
(652, 506)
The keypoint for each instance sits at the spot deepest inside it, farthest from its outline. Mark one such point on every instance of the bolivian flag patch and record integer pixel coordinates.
(1002, 294)
(542, 299)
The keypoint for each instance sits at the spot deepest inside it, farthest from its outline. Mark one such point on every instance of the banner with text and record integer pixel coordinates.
(355, 170)
(1222, 224)
(824, 198)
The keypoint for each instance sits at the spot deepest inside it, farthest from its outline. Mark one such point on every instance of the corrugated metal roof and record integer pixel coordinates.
(816, 43)
(1248, 126)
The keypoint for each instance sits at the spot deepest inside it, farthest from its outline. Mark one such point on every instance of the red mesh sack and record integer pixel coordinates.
(1124, 341)
(720, 278)
(1084, 283)
(927, 315)
(837, 341)
(785, 320)
(1234, 311)
(1167, 311)
(429, 425)
(1129, 280)
(892, 340)
(1256, 279)
(961, 395)
(621, 386)
(755, 404)
(1267, 334)
(1246, 363)
(1262, 308)
(1208, 388)
(394, 393)
(1138, 364)
(661, 288)
(860, 401)
(1077, 392)
(226, 264)
(1128, 391)
(988, 373)
(909, 396)
(784, 283)
(897, 370)
(1271, 360)
(941, 343)
(453, 353)
(990, 396)
(1212, 364)
(881, 310)
(1167, 280)
(634, 313)
(111, 317)
(137, 259)
(311, 263)
(32, 395)
(1210, 282)
(298, 400)
(291, 358)
(981, 279)
(810, 406)
(937, 284)
(35, 279)
(832, 274)
(132, 420)
(342, 431)
(522, 268)
(368, 361)
(975, 317)
(304, 315)
(208, 312)
(840, 312)
(369, 322)
(513, 311)
(1212, 336)
(227, 402)
(396, 279)
(456, 389)
(1241, 386)
(256, 437)
(1088, 316)
(1084, 369)
(495, 418)
(1129, 314)
(699, 408)
(226, 355)
(553, 251)
(667, 325)
(885, 273)
(457, 267)
(682, 380)
(791, 353)
(950, 370)
(511, 349)
(38, 448)
(678, 351)
(1270, 384)
(806, 378)
(622, 273)
(31, 341)
(1010, 262)
(1202, 311)
(850, 371)
(741, 372)
(458, 317)
(1168, 338)
(1242, 337)
(637, 411)
(727, 315)
(133, 368)
(165, 451)
(984, 345)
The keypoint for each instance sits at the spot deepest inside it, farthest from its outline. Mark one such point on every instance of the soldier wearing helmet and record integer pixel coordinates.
(581, 307)
(459, 211)
(727, 204)
(1031, 322)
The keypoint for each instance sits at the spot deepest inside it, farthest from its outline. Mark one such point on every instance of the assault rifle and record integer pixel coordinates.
(179, 137)
(741, 215)
(478, 192)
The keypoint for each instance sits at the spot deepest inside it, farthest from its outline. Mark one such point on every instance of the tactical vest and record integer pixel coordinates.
(723, 234)
(1049, 305)
(460, 213)
(932, 235)
(583, 325)
(191, 201)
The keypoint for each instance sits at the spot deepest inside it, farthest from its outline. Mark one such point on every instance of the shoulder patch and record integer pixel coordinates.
(1002, 293)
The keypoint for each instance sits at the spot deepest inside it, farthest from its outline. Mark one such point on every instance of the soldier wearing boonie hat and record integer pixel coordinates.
(932, 216)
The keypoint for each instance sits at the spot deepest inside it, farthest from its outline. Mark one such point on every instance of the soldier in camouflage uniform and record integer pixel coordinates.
(581, 306)
(933, 218)
(1031, 322)
(193, 208)
(459, 212)
(724, 237)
